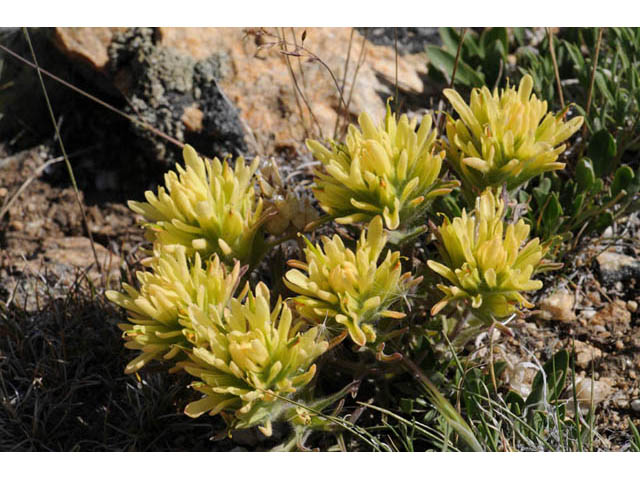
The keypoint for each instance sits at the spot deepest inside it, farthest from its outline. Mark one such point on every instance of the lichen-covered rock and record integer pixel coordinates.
(176, 93)
(152, 66)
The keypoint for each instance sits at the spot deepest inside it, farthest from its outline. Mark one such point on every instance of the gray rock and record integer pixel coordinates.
(635, 405)
(617, 267)
(410, 39)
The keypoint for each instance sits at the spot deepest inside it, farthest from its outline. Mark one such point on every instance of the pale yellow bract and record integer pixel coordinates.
(504, 138)
(389, 170)
(484, 260)
(247, 356)
(350, 287)
(208, 207)
(159, 325)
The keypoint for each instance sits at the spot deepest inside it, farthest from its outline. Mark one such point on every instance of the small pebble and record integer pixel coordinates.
(632, 306)
(635, 405)
(632, 374)
(622, 403)
(3, 192)
(16, 226)
(619, 344)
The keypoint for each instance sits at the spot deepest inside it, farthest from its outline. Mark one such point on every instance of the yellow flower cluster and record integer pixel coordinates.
(484, 262)
(504, 138)
(390, 170)
(350, 287)
(159, 325)
(248, 356)
(207, 206)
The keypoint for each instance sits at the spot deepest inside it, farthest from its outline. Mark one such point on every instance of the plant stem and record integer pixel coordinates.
(555, 66)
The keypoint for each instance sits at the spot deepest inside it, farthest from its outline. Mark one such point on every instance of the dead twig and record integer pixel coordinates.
(301, 51)
(457, 60)
(297, 92)
(295, 42)
(64, 152)
(344, 81)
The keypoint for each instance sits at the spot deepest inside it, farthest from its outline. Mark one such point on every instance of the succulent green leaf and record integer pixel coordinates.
(553, 210)
(622, 180)
(585, 175)
(602, 150)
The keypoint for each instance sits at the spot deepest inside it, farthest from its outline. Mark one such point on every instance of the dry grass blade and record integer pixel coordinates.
(593, 78)
(361, 58)
(64, 153)
(555, 66)
(395, 44)
(344, 81)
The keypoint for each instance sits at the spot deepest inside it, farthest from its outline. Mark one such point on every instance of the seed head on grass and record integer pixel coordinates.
(349, 287)
(159, 323)
(484, 261)
(247, 353)
(389, 170)
(208, 207)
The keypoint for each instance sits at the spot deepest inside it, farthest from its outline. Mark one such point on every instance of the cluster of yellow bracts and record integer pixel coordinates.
(210, 219)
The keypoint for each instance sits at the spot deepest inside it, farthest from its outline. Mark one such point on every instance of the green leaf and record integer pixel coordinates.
(470, 42)
(603, 221)
(552, 211)
(498, 369)
(518, 34)
(473, 393)
(444, 61)
(551, 384)
(406, 405)
(622, 180)
(598, 185)
(577, 203)
(585, 176)
(450, 39)
(634, 187)
(602, 150)
(494, 35)
(576, 56)
(541, 192)
(515, 402)
(603, 87)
